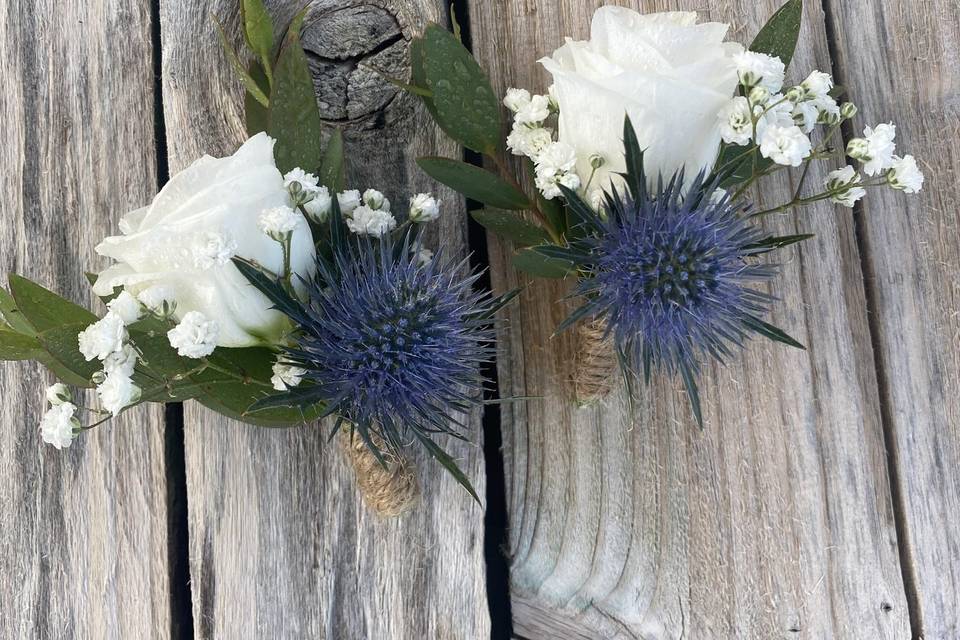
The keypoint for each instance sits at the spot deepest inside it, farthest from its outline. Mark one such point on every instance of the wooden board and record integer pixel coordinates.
(83, 532)
(280, 545)
(912, 261)
(777, 520)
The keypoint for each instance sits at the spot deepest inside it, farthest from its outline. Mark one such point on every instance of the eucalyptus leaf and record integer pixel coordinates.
(293, 117)
(564, 254)
(474, 182)
(779, 36)
(536, 264)
(258, 28)
(465, 106)
(12, 315)
(255, 114)
(60, 342)
(44, 309)
(239, 67)
(512, 227)
(19, 346)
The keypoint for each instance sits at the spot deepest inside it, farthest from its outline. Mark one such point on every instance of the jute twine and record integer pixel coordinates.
(389, 491)
(596, 365)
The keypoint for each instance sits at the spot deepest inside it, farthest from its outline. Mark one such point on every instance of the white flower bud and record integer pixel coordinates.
(904, 175)
(58, 426)
(279, 222)
(371, 222)
(859, 149)
(848, 110)
(117, 392)
(286, 376)
(817, 85)
(126, 307)
(58, 393)
(376, 200)
(795, 95)
(349, 201)
(318, 207)
(516, 99)
(424, 208)
(759, 95)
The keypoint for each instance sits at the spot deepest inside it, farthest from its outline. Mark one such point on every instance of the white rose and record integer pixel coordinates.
(665, 71)
(213, 204)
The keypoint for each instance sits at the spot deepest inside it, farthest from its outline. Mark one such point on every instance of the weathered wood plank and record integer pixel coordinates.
(280, 543)
(912, 263)
(774, 522)
(83, 536)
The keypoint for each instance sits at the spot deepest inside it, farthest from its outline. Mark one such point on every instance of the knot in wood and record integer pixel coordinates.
(350, 50)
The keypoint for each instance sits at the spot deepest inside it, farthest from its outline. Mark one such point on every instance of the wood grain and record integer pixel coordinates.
(912, 260)
(280, 545)
(777, 520)
(83, 532)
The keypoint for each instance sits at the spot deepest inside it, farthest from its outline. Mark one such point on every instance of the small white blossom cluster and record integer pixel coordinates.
(286, 375)
(779, 123)
(195, 336)
(555, 162)
(59, 425)
(366, 214)
(107, 340)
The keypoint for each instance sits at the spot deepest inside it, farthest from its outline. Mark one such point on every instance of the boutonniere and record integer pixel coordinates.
(638, 165)
(263, 288)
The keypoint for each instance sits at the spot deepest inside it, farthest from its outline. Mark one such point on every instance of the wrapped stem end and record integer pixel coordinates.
(596, 364)
(390, 491)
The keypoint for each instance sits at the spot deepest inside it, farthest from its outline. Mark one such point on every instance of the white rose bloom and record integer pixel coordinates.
(665, 71)
(817, 85)
(880, 147)
(58, 393)
(528, 141)
(103, 337)
(759, 69)
(306, 180)
(375, 200)
(57, 425)
(117, 392)
(785, 145)
(424, 208)
(277, 222)
(123, 362)
(154, 297)
(126, 307)
(905, 175)
(195, 336)
(371, 222)
(349, 201)
(286, 376)
(844, 182)
(318, 208)
(736, 123)
(223, 197)
(516, 99)
(534, 112)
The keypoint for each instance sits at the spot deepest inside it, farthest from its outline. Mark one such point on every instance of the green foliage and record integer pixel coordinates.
(44, 309)
(258, 29)
(18, 346)
(256, 114)
(332, 168)
(293, 117)
(779, 36)
(534, 263)
(255, 91)
(512, 227)
(462, 101)
(475, 183)
(447, 462)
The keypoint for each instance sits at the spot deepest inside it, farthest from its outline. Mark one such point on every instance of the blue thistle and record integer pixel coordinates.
(671, 272)
(392, 346)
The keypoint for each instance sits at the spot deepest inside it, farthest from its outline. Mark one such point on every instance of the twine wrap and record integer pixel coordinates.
(596, 365)
(389, 491)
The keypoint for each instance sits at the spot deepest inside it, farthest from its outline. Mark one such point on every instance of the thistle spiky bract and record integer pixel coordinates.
(671, 271)
(390, 345)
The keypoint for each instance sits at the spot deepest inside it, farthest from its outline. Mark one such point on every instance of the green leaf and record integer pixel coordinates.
(19, 346)
(332, 169)
(256, 115)
(448, 463)
(44, 309)
(779, 36)
(12, 315)
(771, 332)
(238, 66)
(512, 227)
(294, 118)
(475, 183)
(536, 264)
(774, 242)
(564, 254)
(258, 28)
(465, 105)
(60, 342)
(635, 174)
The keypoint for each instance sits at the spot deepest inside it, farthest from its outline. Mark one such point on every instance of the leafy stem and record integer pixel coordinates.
(507, 175)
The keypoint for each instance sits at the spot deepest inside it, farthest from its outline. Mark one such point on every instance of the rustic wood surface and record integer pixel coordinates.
(280, 545)
(777, 521)
(911, 252)
(83, 532)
